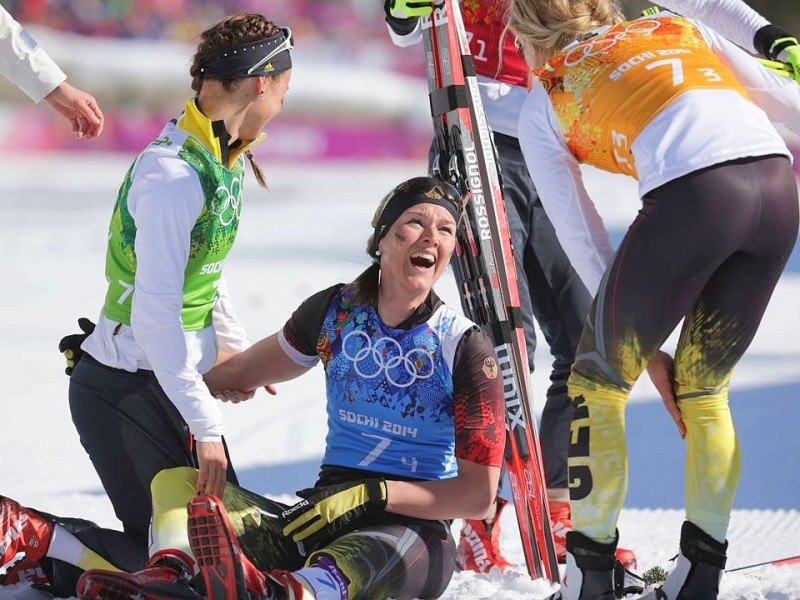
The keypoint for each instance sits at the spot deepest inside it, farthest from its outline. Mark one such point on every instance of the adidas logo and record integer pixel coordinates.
(13, 533)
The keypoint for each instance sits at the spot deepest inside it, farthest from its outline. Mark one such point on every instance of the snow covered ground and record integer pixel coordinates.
(306, 233)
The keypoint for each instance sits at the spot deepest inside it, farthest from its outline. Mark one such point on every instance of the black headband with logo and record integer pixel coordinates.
(266, 57)
(419, 190)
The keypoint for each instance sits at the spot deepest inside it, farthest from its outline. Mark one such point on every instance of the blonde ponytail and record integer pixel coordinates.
(549, 25)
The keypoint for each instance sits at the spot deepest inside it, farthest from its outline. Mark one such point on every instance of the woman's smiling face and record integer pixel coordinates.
(417, 248)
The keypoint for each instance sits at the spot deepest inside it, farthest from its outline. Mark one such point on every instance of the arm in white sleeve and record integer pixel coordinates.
(404, 41)
(231, 336)
(777, 96)
(165, 200)
(24, 62)
(557, 177)
(732, 18)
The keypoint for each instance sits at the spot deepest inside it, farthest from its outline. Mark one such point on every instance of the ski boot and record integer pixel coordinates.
(25, 570)
(560, 525)
(479, 544)
(166, 576)
(227, 573)
(590, 569)
(699, 568)
(22, 530)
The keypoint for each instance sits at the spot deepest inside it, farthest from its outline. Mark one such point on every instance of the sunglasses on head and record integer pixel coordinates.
(286, 44)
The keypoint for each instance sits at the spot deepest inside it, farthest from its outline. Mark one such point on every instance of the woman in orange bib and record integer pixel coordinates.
(674, 103)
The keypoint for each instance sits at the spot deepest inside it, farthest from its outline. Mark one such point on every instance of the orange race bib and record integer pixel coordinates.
(606, 89)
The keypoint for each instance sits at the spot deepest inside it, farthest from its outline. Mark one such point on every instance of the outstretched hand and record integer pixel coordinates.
(79, 108)
(662, 373)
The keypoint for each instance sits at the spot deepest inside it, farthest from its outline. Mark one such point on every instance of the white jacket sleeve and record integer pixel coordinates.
(165, 200)
(557, 177)
(777, 96)
(404, 41)
(732, 18)
(24, 62)
(230, 333)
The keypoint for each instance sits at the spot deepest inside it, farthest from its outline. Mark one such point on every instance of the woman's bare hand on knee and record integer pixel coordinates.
(662, 373)
(213, 469)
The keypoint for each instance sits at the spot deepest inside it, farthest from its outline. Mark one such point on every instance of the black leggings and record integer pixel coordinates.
(708, 248)
(131, 431)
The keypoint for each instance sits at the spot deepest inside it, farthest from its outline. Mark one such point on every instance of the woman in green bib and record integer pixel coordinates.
(137, 395)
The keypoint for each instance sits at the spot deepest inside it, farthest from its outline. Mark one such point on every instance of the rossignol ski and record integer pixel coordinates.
(484, 263)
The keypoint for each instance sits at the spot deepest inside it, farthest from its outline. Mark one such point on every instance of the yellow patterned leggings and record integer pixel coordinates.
(707, 248)
(397, 557)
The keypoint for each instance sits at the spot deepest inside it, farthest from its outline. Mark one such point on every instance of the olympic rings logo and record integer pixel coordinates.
(384, 355)
(228, 203)
(600, 44)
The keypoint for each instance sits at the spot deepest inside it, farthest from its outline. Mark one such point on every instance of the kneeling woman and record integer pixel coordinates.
(415, 437)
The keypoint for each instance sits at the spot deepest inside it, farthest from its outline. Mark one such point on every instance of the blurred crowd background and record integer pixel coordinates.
(341, 23)
(351, 28)
(353, 92)
(348, 26)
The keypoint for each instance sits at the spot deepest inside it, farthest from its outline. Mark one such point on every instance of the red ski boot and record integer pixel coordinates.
(560, 525)
(479, 544)
(228, 574)
(24, 570)
(22, 530)
(166, 576)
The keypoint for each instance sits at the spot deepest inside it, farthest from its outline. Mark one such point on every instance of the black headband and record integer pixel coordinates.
(266, 57)
(439, 193)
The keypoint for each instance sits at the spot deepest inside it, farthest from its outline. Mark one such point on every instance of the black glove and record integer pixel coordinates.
(402, 15)
(326, 513)
(70, 345)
